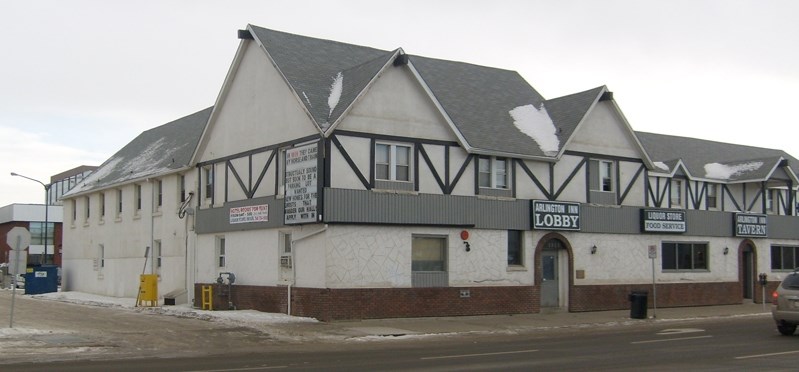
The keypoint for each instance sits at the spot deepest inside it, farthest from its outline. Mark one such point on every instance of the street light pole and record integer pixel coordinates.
(46, 210)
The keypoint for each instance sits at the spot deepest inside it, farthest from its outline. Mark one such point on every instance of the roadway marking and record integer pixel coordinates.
(767, 355)
(477, 355)
(669, 339)
(679, 330)
(240, 369)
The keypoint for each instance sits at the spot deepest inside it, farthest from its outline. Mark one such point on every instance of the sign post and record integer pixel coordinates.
(18, 239)
(653, 254)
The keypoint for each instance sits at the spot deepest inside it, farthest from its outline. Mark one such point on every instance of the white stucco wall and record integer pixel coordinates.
(603, 132)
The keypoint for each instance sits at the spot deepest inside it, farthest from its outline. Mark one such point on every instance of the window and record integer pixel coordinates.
(676, 192)
(209, 182)
(74, 206)
(603, 175)
(182, 187)
(514, 248)
(119, 202)
(102, 205)
(784, 257)
(285, 243)
(428, 254)
(158, 253)
(392, 162)
(711, 199)
(38, 234)
(138, 198)
(100, 257)
(493, 173)
(769, 194)
(220, 251)
(159, 192)
(684, 256)
(88, 208)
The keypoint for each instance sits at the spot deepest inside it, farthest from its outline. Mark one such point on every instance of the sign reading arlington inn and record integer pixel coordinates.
(548, 215)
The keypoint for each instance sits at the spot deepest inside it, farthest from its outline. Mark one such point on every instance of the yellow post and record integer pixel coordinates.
(208, 297)
(148, 290)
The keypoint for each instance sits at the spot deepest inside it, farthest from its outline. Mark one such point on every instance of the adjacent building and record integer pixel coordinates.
(339, 181)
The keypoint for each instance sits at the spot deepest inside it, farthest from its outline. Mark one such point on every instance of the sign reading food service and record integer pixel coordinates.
(301, 190)
(662, 221)
(549, 215)
(751, 225)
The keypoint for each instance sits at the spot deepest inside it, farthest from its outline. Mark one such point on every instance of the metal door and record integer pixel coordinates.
(748, 279)
(550, 286)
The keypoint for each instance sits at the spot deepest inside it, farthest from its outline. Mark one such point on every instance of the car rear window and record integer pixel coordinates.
(791, 281)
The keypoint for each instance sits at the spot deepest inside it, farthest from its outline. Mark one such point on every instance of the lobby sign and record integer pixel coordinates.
(549, 215)
(751, 225)
(663, 221)
(301, 187)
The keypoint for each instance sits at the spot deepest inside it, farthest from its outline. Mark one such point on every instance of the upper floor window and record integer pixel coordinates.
(769, 200)
(602, 179)
(209, 181)
(676, 192)
(493, 172)
(88, 209)
(41, 234)
(74, 208)
(102, 205)
(392, 162)
(119, 202)
(138, 197)
(711, 199)
(159, 193)
(182, 187)
(684, 256)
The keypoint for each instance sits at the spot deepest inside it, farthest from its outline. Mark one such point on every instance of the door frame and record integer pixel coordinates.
(566, 286)
(748, 243)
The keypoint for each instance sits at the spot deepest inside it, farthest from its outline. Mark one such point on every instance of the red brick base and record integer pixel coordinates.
(328, 304)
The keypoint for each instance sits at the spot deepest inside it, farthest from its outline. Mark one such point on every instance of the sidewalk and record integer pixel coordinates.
(510, 324)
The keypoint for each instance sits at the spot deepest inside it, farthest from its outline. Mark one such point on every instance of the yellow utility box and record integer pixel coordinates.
(148, 290)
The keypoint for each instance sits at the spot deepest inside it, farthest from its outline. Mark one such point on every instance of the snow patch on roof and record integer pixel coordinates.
(306, 99)
(662, 166)
(335, 92)
(536, 123)
(725, 172)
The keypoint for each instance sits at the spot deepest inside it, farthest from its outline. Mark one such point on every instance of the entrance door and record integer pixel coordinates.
(748, 274)
(550, 287)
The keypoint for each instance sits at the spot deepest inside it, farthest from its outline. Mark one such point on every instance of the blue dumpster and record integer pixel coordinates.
(41, 279)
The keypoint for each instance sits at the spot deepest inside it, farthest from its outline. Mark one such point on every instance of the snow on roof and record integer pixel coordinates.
(335, 92)
(661, 165)
(537, 124)
(725, 172)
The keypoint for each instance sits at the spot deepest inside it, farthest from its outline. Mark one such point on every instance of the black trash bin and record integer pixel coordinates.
(638, 305)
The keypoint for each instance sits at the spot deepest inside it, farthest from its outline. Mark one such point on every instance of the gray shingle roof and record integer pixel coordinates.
(311, 65)
(155, 152)
(739, 161)
(477, 99)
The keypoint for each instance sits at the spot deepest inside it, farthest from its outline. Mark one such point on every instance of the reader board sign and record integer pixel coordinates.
(751, 225)
(662, 221)
(549, 215)
(301, 190)
(252, 213)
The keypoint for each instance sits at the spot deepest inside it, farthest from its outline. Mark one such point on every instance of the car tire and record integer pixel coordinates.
(786, 329)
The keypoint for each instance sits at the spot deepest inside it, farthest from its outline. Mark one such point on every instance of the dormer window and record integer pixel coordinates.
(392, 162)
(493, 173)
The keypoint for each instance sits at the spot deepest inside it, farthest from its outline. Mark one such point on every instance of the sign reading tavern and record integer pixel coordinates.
(662, 221)
(549, 215)
(751, 225)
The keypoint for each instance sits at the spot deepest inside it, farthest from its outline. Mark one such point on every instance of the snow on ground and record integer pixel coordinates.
(249, 318)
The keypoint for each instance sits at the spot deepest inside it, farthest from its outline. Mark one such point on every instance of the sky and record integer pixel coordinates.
(79, 79)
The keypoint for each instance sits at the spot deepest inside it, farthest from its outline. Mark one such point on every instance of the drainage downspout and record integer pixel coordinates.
(294, 264)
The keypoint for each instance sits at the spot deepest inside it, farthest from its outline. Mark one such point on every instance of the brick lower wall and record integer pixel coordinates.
(329, 304)
(616, 297)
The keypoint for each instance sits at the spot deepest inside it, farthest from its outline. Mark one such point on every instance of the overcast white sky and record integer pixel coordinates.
(80, 79)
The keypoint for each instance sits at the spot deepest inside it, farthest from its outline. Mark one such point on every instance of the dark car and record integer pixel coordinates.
(785, 304)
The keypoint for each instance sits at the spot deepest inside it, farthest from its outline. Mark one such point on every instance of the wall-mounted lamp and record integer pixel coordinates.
(593, 249)
(726, 250)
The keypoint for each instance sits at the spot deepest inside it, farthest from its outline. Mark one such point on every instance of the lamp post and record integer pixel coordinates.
(46, 209)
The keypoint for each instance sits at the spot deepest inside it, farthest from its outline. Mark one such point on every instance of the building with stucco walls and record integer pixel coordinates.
(339, 181)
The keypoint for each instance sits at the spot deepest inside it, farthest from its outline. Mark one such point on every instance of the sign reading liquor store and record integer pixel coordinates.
(751, 225)
(662, 221)
(549, 215)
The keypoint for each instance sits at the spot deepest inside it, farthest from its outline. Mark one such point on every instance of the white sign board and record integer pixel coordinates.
(301, 188)
(653, 252)
(18, 238)
(251, 213)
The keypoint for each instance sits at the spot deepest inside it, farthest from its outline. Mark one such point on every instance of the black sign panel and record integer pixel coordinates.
(751, 225)
(663, 221)
(548, 215)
